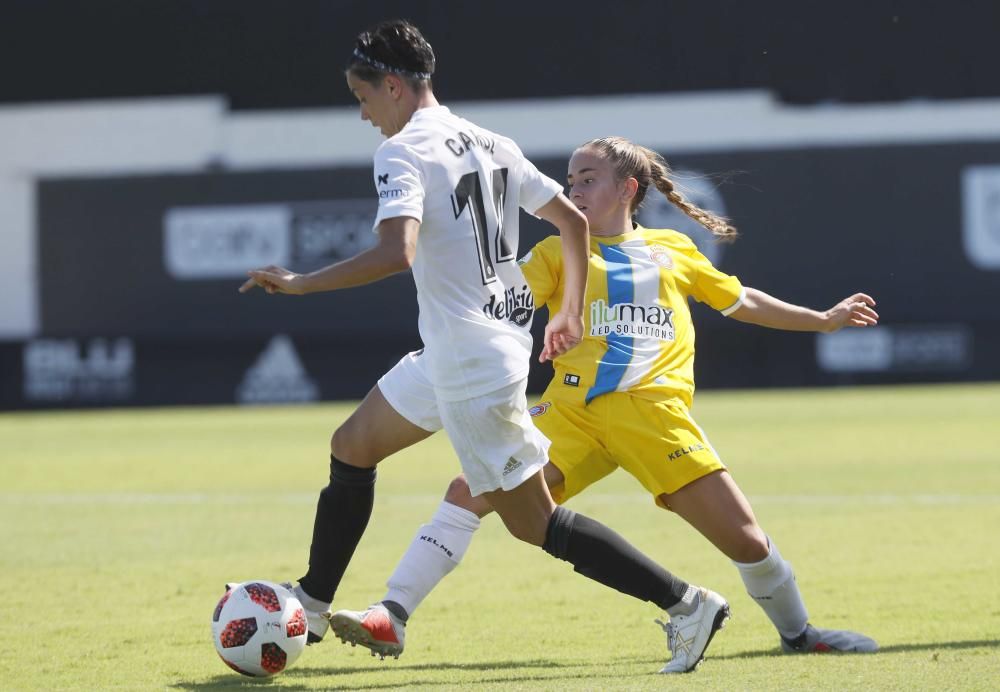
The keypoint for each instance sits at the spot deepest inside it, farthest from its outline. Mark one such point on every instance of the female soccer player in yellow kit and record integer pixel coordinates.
(621, 398)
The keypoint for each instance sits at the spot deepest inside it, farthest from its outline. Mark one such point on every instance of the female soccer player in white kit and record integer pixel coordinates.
(449, 194)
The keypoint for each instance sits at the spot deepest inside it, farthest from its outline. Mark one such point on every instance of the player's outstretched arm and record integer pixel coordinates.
(396, 248)
(565, 328)
(767, 311)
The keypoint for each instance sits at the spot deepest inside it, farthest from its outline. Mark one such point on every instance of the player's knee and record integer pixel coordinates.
(458, 492)
(754, 545)
(351, 447)
(527, 533)
(527, 526)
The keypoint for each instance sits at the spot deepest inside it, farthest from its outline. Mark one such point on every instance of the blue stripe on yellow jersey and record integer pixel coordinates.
(620, 283)
(638, 335)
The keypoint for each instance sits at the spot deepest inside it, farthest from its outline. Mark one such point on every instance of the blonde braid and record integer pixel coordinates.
(659, 173)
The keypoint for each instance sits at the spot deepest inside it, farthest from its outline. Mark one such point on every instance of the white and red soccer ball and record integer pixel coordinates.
(259, 628)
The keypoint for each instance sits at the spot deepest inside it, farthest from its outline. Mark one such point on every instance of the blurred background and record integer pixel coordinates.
(152, 151)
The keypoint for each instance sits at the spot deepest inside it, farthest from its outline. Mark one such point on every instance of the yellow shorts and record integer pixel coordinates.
(656, 441)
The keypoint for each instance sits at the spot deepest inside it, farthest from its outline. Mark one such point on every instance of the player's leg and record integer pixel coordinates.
(393, 416)
(502, 455)
(716, 507)
(440, 544)
(660, 444)
(694, 483)
(599, 553)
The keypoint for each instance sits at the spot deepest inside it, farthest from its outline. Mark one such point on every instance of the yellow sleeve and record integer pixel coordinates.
(542, 268)
(713, 287)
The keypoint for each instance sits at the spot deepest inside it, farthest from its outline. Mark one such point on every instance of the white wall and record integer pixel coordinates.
(85, 139)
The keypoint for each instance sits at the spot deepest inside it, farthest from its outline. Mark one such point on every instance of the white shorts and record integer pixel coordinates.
(497, 443)
(409, 391)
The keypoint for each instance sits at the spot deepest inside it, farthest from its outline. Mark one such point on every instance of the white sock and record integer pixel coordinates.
(310, 603)
(435, 551)
(771, 583)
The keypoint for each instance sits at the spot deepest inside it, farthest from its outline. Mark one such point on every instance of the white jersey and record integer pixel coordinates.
(465, 185)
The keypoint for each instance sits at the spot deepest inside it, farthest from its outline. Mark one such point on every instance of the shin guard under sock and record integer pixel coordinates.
(342, 513)
(597, 552)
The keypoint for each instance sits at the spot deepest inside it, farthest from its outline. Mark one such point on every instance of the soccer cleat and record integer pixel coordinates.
(317, 620)
(376, 629)
(688, 636)
(817, 640)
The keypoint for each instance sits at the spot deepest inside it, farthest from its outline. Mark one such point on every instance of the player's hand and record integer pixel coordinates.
(855, 311)
(563, 332)
(274, 279)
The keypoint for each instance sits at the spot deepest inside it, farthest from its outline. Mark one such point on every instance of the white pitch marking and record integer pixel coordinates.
(134, 498)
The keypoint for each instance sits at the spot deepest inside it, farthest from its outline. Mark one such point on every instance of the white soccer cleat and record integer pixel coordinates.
(688, 636)
(817, 640)
(376, 629)
(318, 621)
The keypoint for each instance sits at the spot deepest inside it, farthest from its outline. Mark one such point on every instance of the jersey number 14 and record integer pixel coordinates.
(469, 193)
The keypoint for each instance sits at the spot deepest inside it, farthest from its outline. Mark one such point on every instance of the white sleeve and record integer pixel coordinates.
(537, 189)
(398, 183)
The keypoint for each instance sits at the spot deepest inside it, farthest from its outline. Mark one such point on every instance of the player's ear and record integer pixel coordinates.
(628, 188)
(394, 85)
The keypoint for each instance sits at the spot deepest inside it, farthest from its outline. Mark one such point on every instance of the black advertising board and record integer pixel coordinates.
(156, 260)
(172, 251)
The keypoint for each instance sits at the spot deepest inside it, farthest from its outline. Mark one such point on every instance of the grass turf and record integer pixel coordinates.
(121, 527)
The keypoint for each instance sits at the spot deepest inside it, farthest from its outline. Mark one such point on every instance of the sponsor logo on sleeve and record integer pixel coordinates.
(571, 380)
(395, 193)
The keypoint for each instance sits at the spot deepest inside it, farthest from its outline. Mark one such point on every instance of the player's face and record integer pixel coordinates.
(377, 103)
(595, 192)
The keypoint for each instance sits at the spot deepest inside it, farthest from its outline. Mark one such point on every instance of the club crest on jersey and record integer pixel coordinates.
(539, 409)
(661, 256)
(514, 305)
(629, 319)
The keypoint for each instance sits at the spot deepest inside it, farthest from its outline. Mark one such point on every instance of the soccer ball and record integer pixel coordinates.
(259, 628)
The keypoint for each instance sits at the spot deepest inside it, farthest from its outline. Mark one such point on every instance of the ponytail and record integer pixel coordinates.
(659, 173)
(649, 168)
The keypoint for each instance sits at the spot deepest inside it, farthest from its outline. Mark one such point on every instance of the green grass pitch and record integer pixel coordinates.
(119, 529)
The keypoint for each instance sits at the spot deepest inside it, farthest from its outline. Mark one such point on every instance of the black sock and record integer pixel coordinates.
(597, 552)
(397, 610)
(341, 517)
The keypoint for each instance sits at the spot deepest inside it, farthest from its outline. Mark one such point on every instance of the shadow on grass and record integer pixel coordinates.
(390, 666)
(228, 682)
(233, 682)
(890, 649)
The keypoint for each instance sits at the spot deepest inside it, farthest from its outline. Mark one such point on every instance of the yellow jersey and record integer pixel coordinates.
(638, 335)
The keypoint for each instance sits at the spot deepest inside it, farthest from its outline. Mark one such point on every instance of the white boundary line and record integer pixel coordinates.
(130, 498)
